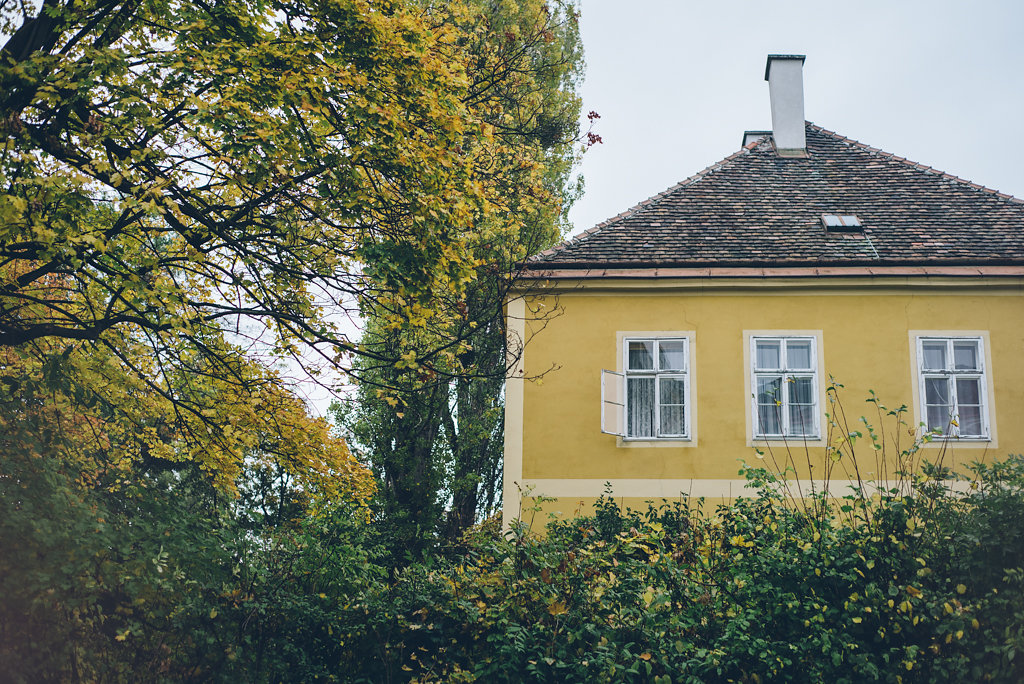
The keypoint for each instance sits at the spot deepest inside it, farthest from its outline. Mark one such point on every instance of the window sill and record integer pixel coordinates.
(785, 442)
(655, 442)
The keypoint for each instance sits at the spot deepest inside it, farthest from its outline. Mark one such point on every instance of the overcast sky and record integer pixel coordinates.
(677, 82)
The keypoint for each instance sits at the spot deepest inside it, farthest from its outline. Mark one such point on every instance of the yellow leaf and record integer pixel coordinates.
(557, 608)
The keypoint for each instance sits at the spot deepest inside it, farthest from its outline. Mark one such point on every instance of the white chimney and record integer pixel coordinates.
(784, 74)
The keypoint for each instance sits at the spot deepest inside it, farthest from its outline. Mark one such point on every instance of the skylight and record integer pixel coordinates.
(841, 222)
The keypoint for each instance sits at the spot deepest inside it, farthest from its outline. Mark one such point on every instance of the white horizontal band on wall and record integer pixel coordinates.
(657, 489)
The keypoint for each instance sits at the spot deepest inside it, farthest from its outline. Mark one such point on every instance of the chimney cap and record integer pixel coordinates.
(768, 64)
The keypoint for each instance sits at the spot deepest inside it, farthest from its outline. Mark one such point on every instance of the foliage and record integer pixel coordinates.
(927, 587)
(201, 190)
(179, 167)
(120, 529)
(152, 574)
(116, 528)
(433, 433)
(433, 446)
(87, 406)
(190, 193)
(159, 581)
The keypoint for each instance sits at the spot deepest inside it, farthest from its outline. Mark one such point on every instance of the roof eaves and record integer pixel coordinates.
(767, 263)
(810, 271)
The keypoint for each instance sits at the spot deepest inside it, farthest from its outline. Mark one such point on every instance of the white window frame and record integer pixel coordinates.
(950, 373)
(658, 375)
(787, 375)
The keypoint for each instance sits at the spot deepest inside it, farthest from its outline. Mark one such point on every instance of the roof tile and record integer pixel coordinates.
(755, 208)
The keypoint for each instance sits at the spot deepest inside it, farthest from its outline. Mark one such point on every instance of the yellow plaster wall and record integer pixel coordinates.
(866, 346)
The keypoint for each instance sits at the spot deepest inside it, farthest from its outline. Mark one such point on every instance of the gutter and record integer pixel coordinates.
(806, 271)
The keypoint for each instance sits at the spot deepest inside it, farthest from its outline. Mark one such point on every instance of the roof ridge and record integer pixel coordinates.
(640, 206)
(924, 168)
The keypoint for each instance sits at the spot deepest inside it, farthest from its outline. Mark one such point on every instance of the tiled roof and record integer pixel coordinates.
(755, 208)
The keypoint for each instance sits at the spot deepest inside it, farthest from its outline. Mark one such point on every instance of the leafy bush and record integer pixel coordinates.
(159, 577)
(922, 587)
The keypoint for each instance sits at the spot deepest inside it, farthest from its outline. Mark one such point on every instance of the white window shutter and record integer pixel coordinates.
(612, 403)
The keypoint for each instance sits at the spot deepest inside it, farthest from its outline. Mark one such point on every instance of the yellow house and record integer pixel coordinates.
(667, 344)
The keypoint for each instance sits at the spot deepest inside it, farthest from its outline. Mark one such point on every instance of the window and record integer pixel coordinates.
(650, 398)
(785, 386)
(951, 376)
(841, 223)
(656, 392)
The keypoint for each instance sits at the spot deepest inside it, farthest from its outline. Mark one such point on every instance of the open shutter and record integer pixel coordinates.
(612, 403)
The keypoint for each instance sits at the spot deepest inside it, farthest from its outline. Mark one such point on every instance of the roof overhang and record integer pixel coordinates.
(806, 278)
(539, 272)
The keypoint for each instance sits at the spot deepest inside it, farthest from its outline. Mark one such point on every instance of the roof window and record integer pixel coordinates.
(842, 223)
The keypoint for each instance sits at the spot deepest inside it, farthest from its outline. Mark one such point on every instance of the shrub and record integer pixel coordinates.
(924, 586)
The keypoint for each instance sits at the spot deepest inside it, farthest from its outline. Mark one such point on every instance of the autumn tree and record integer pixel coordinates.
(174, 170)
(189, 193)
(186, 166)
(434, 433)
(120, 523)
